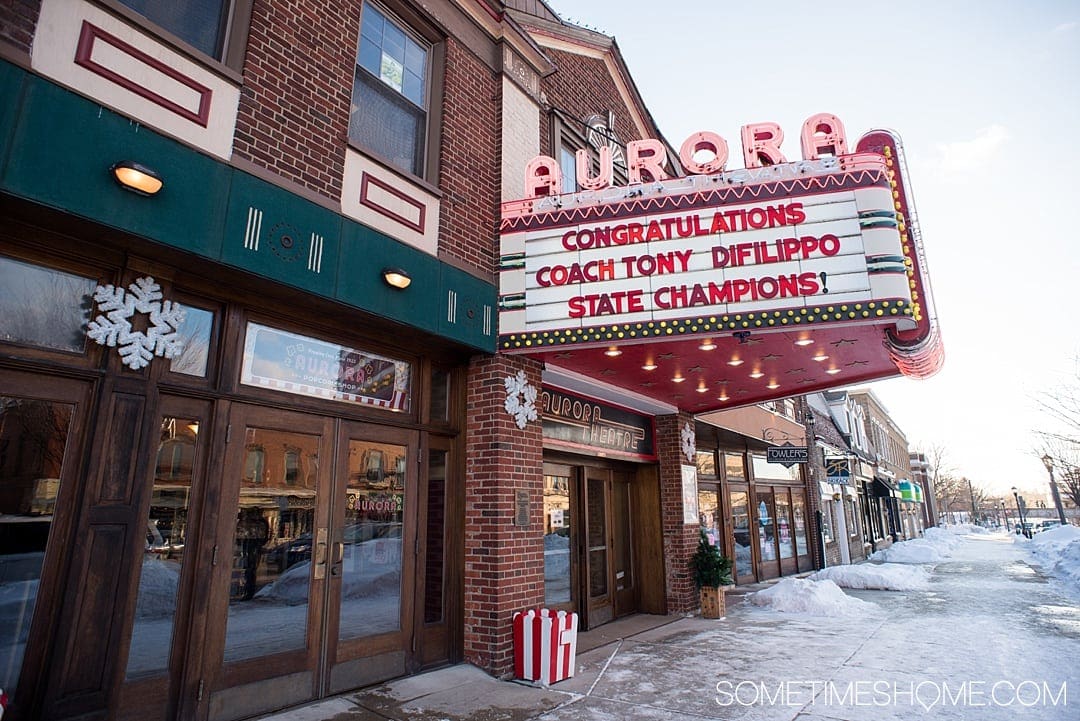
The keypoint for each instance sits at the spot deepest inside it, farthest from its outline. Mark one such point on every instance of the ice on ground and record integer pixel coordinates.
(816, 598)
(1058, 552)
(884, 576)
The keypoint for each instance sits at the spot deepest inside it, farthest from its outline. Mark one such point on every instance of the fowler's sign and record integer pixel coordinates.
(787, 455)
(776, 235)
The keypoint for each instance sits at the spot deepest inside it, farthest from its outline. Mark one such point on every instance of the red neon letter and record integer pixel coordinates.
(542, 177)
(761, 142)
(707, 141)
(647, 155)
(603, 177)
(823, 134)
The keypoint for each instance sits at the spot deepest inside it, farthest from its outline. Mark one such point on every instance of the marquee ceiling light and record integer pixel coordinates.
(702, 388)
(833, 371)
(821, 357)
(723, 397)
(136, 178)
(613, 352)
(773, 385)
(396, 278)
(678, 379)
(735, 362)
(650, 365)
(707, 344)
(804, 341)
(757, 374)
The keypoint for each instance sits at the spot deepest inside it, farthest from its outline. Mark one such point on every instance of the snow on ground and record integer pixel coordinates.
(815, 598)
(1058, 552)
(935, 546)
(880, 576)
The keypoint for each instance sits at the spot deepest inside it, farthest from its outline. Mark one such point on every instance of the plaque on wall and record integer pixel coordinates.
(521, 509)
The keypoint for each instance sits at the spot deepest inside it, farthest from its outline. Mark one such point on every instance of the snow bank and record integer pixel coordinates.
(817, 598)
(1058, 552)
(885, 576)
(936, 545)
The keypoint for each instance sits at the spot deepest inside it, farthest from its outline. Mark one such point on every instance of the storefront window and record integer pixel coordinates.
(783, 523)
(43, 307)
(766, 525)
(709, 513)
(166, 539)
(194, 332)
(852, 518)
(556, 539)
(734, 470)
(827, 519)
(706, 466)
(740, 525)
(34, 437)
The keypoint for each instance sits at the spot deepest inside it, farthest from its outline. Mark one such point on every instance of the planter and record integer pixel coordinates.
(712, 603)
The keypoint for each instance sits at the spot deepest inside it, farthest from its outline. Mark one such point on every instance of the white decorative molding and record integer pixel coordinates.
(520, 399)
(689, 442)
(137, 348)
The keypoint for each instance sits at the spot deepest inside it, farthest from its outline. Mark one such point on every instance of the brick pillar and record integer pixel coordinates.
(504, 562)
(680, 538)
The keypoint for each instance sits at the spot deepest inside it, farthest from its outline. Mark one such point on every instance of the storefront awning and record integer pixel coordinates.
(909, 493)
(884, 488)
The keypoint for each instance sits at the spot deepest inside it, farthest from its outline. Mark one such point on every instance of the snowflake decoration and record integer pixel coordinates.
(137, 348)
(688, 442)
(517, 389)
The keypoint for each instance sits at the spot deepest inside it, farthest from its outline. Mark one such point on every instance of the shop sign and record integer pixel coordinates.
(305, 366)
(787, 455)
(591, 425)
(838, 470)
(776, 235)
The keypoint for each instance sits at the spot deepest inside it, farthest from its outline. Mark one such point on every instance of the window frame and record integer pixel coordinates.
(420, 29)
(234, 44)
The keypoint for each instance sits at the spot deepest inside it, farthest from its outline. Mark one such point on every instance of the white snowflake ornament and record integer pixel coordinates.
(137, 348)
(520, 399)
(689, 442)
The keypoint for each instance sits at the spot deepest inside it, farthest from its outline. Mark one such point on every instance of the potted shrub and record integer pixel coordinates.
(711, 572)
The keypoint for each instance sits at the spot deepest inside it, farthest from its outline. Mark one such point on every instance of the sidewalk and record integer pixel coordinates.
(988, 617)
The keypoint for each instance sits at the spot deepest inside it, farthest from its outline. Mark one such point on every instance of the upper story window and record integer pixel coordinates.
(389, 114)
(217, 28)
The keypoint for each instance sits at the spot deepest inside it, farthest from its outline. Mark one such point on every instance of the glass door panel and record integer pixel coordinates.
(798, 520)
(740, 527)
(783, 523)
(766, 533)
(33, 445)
(557, 538)
(277, 548)
(370, 555)
(596, 532)
(622, 546)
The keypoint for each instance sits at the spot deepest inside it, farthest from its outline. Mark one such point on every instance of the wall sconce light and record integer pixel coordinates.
(396, 278)
(136, 178)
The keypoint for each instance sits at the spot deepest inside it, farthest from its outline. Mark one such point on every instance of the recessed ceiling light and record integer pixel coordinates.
(613, 352)
(804, 341)
(702, 388)
(833, 371)
(756, 374)
(707, 345)
(821, 357)
(678, 379)
(722, 398)
(773, 385)
(735, 362)
(649, 366)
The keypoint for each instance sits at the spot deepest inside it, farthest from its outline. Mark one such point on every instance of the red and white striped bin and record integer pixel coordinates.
(545, 645)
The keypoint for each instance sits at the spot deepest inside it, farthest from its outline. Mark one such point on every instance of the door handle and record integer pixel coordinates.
(337, 558)
(319, 556)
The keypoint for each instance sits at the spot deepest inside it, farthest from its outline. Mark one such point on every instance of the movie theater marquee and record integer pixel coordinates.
(775, 236)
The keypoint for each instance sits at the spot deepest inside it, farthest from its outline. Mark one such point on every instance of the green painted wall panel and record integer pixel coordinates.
(364, 254)
(474, 308)
(64, 145)
(276, 234)
(11, 84)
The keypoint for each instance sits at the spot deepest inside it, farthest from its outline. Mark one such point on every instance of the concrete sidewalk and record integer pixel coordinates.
(988, 616)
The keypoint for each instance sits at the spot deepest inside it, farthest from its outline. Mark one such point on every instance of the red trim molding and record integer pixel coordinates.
(368, 180)
(83, 57)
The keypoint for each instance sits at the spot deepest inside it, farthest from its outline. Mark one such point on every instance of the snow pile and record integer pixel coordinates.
(885, 576)
(936, 545)
(817, 598)
(371, 568)
(1058, 551)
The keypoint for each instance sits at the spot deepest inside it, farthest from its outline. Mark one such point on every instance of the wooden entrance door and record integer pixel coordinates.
(608, 562)
(314, 586)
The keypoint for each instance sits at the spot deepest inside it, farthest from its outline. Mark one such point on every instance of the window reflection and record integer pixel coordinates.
(274, 545)
(371, 555)
(556, 539)
(44, 307)
(194, 332)
(436, 525)
(33, 437)
(166, 535)
(740, 525)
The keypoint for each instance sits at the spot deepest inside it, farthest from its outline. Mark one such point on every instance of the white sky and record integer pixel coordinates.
(986, 97)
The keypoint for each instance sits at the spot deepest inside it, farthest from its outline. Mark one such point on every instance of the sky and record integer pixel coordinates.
(986, 98)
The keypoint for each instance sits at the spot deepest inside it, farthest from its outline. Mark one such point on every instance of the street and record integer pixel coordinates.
(991, 639)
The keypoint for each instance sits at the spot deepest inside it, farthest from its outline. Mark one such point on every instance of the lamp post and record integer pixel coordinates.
(1019, 512)
(1048, 461)
(1008, 528)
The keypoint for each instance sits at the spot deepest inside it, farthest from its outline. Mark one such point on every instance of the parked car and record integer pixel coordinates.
(1046, 525)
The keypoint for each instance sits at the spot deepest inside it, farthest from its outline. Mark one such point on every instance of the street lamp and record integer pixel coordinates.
(1048, 461)
(1019, 512)
(1008, 528)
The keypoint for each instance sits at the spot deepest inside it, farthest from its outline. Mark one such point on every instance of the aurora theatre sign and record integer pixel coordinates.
(777, 246)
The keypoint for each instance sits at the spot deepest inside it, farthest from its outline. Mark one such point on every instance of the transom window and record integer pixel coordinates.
(390, 92)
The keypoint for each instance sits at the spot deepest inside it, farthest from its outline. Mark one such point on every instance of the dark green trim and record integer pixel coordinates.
(56, 148)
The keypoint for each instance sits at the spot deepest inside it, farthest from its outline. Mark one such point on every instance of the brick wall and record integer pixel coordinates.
(504, 563)
(294, 105)
(18, 18)
(470, 160)
(680, 539)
